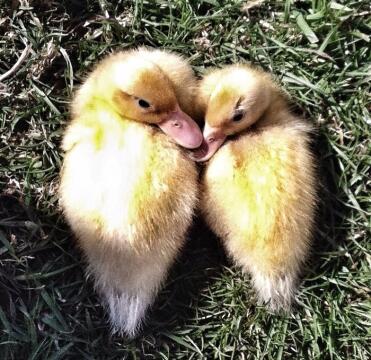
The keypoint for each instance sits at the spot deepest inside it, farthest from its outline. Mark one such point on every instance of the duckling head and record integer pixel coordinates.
(234, 98)
(140, 90)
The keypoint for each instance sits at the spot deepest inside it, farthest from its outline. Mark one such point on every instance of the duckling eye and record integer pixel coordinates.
(144, 104)
(238, 116)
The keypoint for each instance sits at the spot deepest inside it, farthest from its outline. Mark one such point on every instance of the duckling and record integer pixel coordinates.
(259, 184)
(128, 190)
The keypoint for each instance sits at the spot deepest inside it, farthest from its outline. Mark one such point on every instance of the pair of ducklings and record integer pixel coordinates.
(129, 192)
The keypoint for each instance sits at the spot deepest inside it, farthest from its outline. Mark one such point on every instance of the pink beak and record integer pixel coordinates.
(182, 129)
(213, 140)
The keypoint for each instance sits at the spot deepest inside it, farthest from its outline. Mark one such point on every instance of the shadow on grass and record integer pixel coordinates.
(201, 259)
(43, 284)
(331, 211)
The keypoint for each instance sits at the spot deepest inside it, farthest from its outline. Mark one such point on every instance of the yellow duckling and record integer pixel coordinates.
(258, 189)
(127, 190)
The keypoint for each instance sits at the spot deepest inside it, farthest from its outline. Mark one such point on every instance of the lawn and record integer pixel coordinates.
(319, 51)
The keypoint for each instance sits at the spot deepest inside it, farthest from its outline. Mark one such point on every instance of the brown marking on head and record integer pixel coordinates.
(135, 87)
(239, 99)
(143, 92)
(235, 98)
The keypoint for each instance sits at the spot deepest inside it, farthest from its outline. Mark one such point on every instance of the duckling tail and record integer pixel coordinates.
(275, 291)
(128, 284)
(127, 311)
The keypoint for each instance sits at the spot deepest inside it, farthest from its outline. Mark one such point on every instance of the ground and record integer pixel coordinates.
(318, 50)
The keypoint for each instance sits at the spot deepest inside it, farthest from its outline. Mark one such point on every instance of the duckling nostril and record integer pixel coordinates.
(176, 124)
(210, 139)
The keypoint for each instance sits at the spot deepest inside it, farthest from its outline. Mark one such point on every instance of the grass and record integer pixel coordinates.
(320, 52)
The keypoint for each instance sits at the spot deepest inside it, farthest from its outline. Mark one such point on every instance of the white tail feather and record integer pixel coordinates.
(127, 312)
(277, 292)
(128, 284)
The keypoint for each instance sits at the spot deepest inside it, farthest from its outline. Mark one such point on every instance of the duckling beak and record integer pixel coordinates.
(182, 129)
(213, 140)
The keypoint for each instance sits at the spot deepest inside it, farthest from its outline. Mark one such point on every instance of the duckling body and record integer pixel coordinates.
(258, 190)
(127, 190)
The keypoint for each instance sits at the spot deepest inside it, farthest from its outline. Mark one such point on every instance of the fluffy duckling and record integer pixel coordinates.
(258, 189)
(127, 190)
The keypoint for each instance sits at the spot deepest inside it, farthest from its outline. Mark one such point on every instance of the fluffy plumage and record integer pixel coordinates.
(258, 190)
(127, 190)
